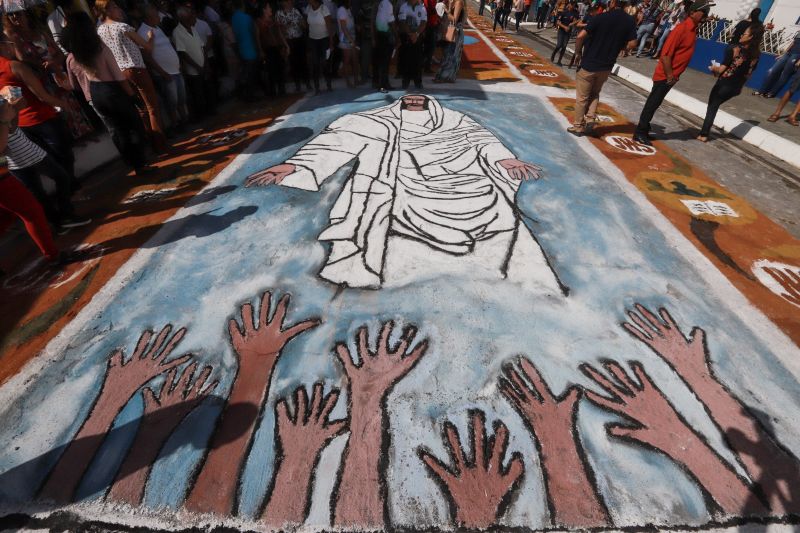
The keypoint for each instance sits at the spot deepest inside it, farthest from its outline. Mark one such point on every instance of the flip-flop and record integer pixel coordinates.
(773, 118)
(793, 121)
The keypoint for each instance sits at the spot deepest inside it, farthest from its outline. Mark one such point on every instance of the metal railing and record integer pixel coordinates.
(773, 41)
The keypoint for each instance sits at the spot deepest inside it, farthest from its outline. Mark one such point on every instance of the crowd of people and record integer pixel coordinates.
(145, 70)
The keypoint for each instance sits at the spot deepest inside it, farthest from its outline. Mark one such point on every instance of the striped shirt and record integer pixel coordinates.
(22, 152)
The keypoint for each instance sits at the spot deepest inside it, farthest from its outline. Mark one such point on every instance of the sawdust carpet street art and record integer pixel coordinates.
(430, 314)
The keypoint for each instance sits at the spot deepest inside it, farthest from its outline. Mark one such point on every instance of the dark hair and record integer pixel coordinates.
(81, 39)
(755, 14)
(753, 49)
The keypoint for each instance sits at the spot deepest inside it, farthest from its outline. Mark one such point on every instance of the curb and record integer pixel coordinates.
(771, 143)
(767, 141)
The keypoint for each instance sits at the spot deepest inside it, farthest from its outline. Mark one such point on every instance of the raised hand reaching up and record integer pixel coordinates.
(300, 439)
(122, 379)
(479, 490)
(572, 498)
(362, 493)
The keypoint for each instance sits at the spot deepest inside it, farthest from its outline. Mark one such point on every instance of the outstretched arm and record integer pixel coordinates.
(361, 494)
(162, 414)
(258, 346)
(478, 489)
(766, 461)
(121, 381)
(657, 425)
(300, 440)
(571, 495)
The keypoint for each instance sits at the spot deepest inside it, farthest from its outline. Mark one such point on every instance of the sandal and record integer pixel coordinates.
(702, 138)
(793, 121)
(773, 117)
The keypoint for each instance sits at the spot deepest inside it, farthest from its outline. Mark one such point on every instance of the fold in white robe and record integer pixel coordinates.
(430, 180)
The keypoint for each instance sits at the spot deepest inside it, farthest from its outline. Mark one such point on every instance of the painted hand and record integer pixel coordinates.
(372, 378)
(573, 500)
(479, 489)
(534, 400)
(656, 423)
(664, 337)
(789, 280)
(300, 440)
(123, 379)
(259, 343)
(272, 175)
(520, 170)
(309, 430)
(176, 399)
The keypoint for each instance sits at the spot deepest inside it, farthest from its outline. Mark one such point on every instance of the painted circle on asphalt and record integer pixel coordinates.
(626, 144)
(543, 73)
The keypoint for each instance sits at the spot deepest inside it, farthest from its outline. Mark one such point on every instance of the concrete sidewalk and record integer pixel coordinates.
(743, 117)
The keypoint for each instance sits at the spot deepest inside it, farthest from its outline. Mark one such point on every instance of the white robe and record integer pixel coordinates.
(426, 197)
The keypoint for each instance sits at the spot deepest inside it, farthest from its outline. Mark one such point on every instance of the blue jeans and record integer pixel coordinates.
(643, 33)
(662, 40)
(779, 74)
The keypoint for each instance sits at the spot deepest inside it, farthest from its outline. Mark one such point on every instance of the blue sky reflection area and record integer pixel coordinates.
(601, 245)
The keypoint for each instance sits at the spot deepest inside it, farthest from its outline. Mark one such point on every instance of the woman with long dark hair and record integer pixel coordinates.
(739, 63)
(91, 66)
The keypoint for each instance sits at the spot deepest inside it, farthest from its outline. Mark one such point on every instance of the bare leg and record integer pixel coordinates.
(781, 104)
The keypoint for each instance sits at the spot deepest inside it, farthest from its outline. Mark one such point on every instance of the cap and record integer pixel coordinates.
(702, 5)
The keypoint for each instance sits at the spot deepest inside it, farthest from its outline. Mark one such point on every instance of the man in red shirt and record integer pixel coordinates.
(674, 59)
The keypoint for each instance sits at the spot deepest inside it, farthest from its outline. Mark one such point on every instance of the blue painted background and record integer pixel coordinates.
(603, 247)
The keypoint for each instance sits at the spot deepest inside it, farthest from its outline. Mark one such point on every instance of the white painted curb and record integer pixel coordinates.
(769, 142)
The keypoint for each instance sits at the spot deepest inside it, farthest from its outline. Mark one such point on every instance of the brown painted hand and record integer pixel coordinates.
(376, 373)
(125, 378)
(665, 338)
(121, 381)
(259, 343)
(789, 280)
(272, 175)
(479, 490)
(658, 426)
(520, 170)
(177, 398)
(541, 409)
(571, 494)
(300, 440)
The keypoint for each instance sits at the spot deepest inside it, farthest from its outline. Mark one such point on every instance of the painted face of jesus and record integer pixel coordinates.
(414, 103)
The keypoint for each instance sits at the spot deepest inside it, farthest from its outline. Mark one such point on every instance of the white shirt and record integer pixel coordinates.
(163, 53)
(384, 16)
(202, 28)
(192, 44)
(413, 16)
(211, 15)
(344, 14)
(126, 52)
(317, 27)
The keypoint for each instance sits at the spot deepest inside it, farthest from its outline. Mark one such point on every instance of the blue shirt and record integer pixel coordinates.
(243, 29)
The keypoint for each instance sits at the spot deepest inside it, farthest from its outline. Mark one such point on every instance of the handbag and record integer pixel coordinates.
(450, 33)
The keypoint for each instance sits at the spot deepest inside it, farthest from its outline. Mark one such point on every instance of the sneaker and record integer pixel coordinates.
(642, 139)
(73, 221)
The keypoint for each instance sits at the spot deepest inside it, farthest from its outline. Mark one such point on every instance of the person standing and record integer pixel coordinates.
(168, 80)
(244, 30)
(92, 68)
(651, 15)
(383, 36)
(275, 49)
(675, 17)
(596, 50)
(430, 36)
(125, 44)
(451, 63)
(347, 42)
(753, 18)
(675, 57)
(412, 17)
(519, 11)
(541, 14)
(194, 61)
(565, 22)
(779, 73)
(739, 63)
(481, 8)
(293, 26)
(320, 36)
